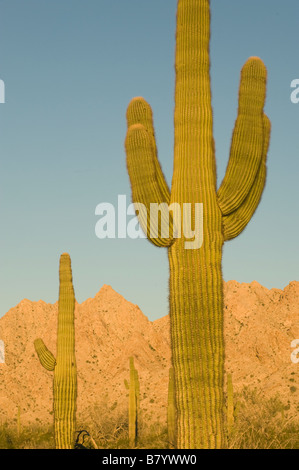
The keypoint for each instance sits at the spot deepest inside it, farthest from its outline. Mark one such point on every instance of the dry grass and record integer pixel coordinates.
(29, 438)
(260, 424)
(263, 424)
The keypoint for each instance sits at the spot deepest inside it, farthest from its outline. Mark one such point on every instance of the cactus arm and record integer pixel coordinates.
(145, 184)
(248, 138)
(140, 112)
(45, 356)
(234, 224)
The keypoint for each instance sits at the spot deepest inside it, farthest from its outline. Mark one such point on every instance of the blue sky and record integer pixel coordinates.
(70, 68)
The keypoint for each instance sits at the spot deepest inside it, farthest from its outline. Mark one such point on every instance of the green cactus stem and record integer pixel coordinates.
(19, 422)
(126, 384)
(230, 405)
(171, 410)
(133, 403)
(64, 366)
(196, 285)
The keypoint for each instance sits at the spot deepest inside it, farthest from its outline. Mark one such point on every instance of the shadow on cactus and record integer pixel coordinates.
(64, 365)
(196, 291)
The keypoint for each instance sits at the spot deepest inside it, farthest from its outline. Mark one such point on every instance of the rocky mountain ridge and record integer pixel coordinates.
(260, 325)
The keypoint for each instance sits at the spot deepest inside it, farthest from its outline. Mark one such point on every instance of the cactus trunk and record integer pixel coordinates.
(65, 373)
(133, 403)
(230, 405)
(196, 325)
(19, 422)
(197, 347)
(64, 366)
(171, 411)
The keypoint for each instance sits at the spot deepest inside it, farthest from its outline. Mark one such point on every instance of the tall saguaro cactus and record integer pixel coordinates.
(196, 292)
(64, 366)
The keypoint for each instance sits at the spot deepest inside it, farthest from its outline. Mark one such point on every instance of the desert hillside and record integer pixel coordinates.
(260, 325)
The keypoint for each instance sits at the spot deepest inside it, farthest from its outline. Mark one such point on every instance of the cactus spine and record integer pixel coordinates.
(196, 292)
(64, 366)
(171, 410)
(133, 403)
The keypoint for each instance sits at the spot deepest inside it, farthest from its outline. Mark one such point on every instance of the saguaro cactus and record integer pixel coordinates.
(133, 403)
(230, 404)
(196, 292)
(64, 366)
(2, 352)
(19, 422)
(171, 410)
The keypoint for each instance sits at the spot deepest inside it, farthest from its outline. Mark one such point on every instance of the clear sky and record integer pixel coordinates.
(70, 68)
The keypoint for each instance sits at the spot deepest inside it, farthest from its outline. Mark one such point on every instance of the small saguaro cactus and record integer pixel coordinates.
(171, 410)
(134, 393)
(19, 422)
(64, 365)
(196, 285)
(2, 352)
(230, 405)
